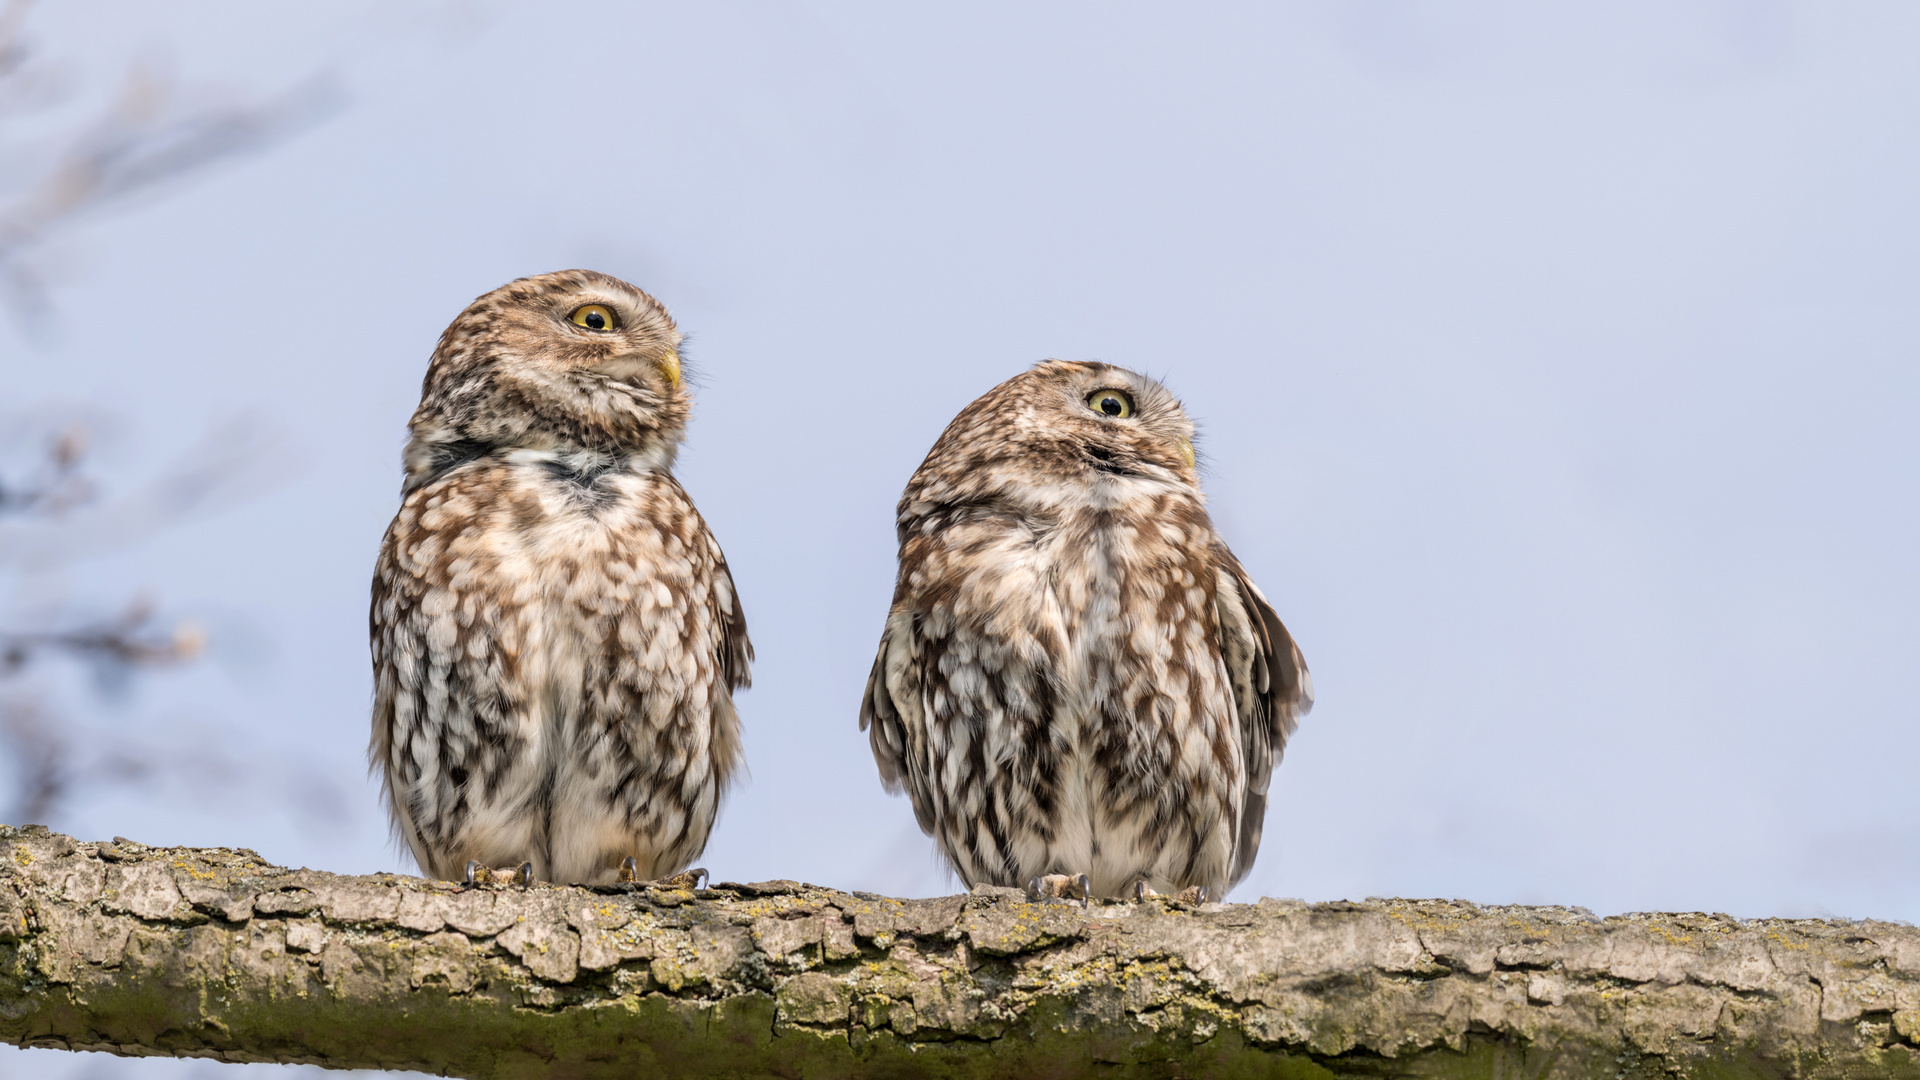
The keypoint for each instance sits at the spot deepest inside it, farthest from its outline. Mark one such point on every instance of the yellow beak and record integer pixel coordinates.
(670, 367)
(1186, 452)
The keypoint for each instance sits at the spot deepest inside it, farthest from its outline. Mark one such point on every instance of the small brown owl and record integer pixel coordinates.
(1077, 677)
(556, 639)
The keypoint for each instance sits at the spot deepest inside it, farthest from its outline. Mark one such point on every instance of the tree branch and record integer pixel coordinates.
(216, 953)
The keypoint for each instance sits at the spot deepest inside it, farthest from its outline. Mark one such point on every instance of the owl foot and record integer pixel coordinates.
(521, 875)
(1192, 894)
(1061, 887)
(685, 879)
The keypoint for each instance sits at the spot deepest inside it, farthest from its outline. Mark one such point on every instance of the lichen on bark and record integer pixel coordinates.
(217, 953)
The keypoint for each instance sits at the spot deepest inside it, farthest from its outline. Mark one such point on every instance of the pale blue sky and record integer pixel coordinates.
(1557, 369)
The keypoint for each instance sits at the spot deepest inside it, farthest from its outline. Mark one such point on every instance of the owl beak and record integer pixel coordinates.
(1186, 453)
(632, 367)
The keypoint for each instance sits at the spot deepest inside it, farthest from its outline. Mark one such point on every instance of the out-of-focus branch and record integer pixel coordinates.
(59, 487)
(57, 515)
(44, 517)
(39, 756)
(128, 640)
(52, 516)
(12, 18)
(58, 164)
(145, 138)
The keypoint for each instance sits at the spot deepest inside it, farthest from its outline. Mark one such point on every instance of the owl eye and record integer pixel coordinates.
(593, 317)
(1114, 403)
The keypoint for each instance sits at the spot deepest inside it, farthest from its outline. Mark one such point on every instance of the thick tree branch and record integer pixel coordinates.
(216, 953)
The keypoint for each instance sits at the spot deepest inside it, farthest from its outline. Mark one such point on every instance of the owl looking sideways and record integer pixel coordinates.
(1079, 687)
(556, 639)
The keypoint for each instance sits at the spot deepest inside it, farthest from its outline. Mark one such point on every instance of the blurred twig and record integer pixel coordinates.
(53, 513)
(123, 642)
(116, 648)
(144, 138)
(57, 516)
(61, 513)
(39, 758)
(59, 487)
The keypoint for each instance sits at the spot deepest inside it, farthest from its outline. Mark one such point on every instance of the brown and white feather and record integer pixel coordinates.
(1076, 675)
(556, 636)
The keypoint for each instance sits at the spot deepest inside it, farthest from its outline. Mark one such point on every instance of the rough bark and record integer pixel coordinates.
(216, 953)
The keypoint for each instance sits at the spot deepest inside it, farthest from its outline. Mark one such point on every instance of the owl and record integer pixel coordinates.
(556, 637)
(1078, 686)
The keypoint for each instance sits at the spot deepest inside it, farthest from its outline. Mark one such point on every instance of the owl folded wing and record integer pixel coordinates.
(1271, 690)
(735, 649)
(891, 714)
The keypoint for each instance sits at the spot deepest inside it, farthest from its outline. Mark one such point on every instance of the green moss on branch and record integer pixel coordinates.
(217, 953)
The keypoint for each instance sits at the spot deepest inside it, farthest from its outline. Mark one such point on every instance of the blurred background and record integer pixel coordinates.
(1557, 366)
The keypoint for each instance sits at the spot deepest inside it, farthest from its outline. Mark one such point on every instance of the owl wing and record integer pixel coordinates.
(736, 651)
(891, 714)
(396, 596)
(959, 700)
(667, 650)
(431, 721)
(1271, 690)
(958, 718)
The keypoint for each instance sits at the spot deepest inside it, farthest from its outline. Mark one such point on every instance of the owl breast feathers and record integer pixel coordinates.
(1077, 676)
(556, 639)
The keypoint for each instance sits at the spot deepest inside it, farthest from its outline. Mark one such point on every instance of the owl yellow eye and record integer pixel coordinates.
(1114, 403)
(593, 317)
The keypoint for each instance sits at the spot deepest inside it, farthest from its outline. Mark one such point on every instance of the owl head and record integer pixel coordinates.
(575, 362)
(1079, 425)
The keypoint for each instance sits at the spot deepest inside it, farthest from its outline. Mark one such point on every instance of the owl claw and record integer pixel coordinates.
(685, 879)
(478, 874)
(1193, 894)
(1061, 887)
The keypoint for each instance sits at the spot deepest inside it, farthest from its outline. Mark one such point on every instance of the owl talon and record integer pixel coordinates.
(479, 873)
(685, 879)
(1061, 887)
(1192, 894)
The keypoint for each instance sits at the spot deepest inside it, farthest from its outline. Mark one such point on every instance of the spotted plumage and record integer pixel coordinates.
(1077, 676)
(556, 639)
